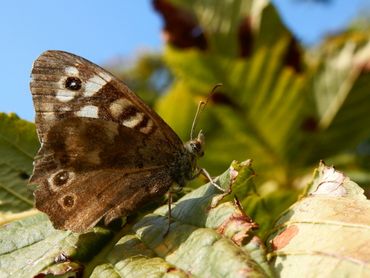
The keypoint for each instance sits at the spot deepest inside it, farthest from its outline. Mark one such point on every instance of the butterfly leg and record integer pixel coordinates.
(208, 176)
(175, 188)
(169, 212)
(217, 199)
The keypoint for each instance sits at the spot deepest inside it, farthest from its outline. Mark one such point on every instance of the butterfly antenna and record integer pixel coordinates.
(202, 104)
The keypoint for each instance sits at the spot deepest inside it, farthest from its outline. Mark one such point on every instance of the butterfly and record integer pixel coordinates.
(104, 153)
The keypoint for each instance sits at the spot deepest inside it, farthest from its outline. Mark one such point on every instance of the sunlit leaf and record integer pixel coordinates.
(326, 233)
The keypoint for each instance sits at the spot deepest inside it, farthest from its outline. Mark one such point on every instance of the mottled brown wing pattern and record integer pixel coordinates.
(64, 85)
(86, 144)
(103, 150)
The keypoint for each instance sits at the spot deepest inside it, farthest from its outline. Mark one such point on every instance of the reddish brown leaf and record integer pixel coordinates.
(245, 37)
(293, 56)
(284, 238)
(181, 28)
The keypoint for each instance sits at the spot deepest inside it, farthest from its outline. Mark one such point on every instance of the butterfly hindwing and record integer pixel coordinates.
(78, 200)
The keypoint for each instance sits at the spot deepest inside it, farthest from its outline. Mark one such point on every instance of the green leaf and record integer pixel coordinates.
(18, 142)
(15, 196)
(340, 93)
(202, 230)
(131, 258)
(18, 145)
(32, 246)
(326, 233)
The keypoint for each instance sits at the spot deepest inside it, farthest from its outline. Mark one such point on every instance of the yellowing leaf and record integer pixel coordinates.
(326, 233)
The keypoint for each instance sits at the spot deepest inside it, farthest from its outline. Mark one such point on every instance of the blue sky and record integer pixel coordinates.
(100, 30)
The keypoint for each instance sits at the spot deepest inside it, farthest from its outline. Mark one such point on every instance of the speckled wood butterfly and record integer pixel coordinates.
(104, 152)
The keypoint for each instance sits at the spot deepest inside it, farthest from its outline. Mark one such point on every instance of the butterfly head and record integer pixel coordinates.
(196, 146)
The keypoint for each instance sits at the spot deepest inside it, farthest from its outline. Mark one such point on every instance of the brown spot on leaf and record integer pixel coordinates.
(293, 57)
(245, 37)
(24, 175)
(223, 99)
(309, 124)
(171, 269)
(364, 66)
(283, 239)
(181, 28)
(237, 227)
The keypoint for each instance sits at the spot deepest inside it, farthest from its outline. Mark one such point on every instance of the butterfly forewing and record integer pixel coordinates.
(64, 85)
(103, 150)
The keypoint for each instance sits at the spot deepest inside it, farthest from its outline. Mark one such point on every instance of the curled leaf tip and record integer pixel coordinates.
(237, 226)
(330, 182)
(71, 269)
(233, 174)
(61, 258)
(246, 163)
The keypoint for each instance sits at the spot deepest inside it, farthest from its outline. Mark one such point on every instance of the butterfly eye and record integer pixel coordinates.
(73, 83)
(193, 147)
(196, 147)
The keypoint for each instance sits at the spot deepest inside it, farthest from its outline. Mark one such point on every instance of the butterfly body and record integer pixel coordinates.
(104, 152)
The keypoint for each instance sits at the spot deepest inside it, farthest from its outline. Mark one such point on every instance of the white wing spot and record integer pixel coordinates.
(147, 128)
(48, 115)
(105, 76)
(72, 71)
(65, 95)
(88, 111)
(65, 108)
(95, 83)
(134, 120)
(45, 106)
(118, 106)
